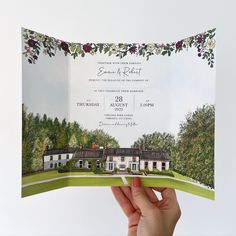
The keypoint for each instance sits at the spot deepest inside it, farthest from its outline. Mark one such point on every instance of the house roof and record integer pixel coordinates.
(122, 152)
(155, 155)
(102, 153)
(60, 151)
(88, 153)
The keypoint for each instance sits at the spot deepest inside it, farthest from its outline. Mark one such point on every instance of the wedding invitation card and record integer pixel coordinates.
(98, 114)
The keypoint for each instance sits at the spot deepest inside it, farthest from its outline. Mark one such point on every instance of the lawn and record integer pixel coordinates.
(52, 174)
(105, 180)
(177, 184)
(70, 181)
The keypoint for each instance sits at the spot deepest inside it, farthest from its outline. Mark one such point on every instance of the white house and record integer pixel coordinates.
(86, 158)
(54, 158)
(112, 159)
(122, 158)
(154, 160)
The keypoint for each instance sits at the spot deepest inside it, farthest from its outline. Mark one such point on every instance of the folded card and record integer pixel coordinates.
(98, 114)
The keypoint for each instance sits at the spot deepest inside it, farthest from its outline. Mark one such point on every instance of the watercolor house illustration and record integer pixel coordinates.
(111, 159)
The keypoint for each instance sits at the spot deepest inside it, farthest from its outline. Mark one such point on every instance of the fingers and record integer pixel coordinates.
(151, 195)
(140, 197)
(123, 201)
(127, 191)
(166, 192)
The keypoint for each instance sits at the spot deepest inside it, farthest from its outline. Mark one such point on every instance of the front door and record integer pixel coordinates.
(122, 167)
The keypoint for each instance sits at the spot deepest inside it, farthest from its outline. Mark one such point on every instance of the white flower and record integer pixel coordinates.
(114, 49)
(39, 37)
(187, 41)
(151, 47)
(210, 44)
(158, 50)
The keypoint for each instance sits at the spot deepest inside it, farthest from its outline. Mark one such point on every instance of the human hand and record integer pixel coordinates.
(147, 215)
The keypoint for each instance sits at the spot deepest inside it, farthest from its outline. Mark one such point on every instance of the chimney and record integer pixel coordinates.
(46, 148)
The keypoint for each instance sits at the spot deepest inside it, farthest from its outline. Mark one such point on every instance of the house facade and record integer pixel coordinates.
(54, 158)
(110, 159)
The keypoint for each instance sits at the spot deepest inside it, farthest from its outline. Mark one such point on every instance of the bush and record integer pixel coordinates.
(158, 172)
(68, 167)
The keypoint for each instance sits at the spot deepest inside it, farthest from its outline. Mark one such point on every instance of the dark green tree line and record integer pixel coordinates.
(39, 132)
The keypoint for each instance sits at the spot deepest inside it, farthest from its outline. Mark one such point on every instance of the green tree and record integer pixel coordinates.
(193, 155)
(73, 141)
(39, 132)
(162, 141)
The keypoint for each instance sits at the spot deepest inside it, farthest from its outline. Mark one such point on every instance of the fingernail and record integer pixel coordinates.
(136, 182)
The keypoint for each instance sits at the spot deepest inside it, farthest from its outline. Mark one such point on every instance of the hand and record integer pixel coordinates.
(148, 215)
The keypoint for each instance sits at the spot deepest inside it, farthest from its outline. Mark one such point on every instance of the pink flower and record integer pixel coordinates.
(199, 39)
(31, 43)
(179, 44)
(65, 46)
(132, 49)
(87, 48)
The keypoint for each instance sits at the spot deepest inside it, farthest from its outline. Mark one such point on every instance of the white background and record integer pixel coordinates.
(93, 211)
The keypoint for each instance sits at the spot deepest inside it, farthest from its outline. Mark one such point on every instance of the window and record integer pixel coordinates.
(97, 164)
(154, 165)
(51, 165)
(145, 164)
(122, 159)
(55, 165)
(80, 163)
(163, 166)
(59, 157)
(134, 159)
(133, 167)
(51, 158)
(89, 164)
(67, 156)
(110, 166)
(59, 164)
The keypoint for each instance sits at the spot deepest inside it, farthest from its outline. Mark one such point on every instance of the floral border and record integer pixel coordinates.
(35, 42)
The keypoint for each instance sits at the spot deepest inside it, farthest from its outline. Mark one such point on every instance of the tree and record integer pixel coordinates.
(39, 132)
(73, 141)
(193, 155)
(162, 141)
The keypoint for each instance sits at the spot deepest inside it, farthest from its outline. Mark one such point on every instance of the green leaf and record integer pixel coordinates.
(106, 49)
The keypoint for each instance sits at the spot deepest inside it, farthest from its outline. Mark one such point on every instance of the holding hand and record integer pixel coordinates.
(148, 215)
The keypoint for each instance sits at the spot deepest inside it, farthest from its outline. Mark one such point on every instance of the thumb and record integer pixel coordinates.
(140, 197)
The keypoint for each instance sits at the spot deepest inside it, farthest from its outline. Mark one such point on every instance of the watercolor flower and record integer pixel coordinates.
(158, 50)
(179, 44)
(87, 48)
(132, 49)
(31, 43)
(113, 49)
(210, 44)
(65, 46)
(150, 47)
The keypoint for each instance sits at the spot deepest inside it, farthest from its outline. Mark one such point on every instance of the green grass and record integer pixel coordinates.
(52, 174)
(67, 182)
(176, 184)
(182, 177)
(107, 181)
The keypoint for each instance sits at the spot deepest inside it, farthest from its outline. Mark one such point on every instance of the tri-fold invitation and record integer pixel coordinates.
(98, 114)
